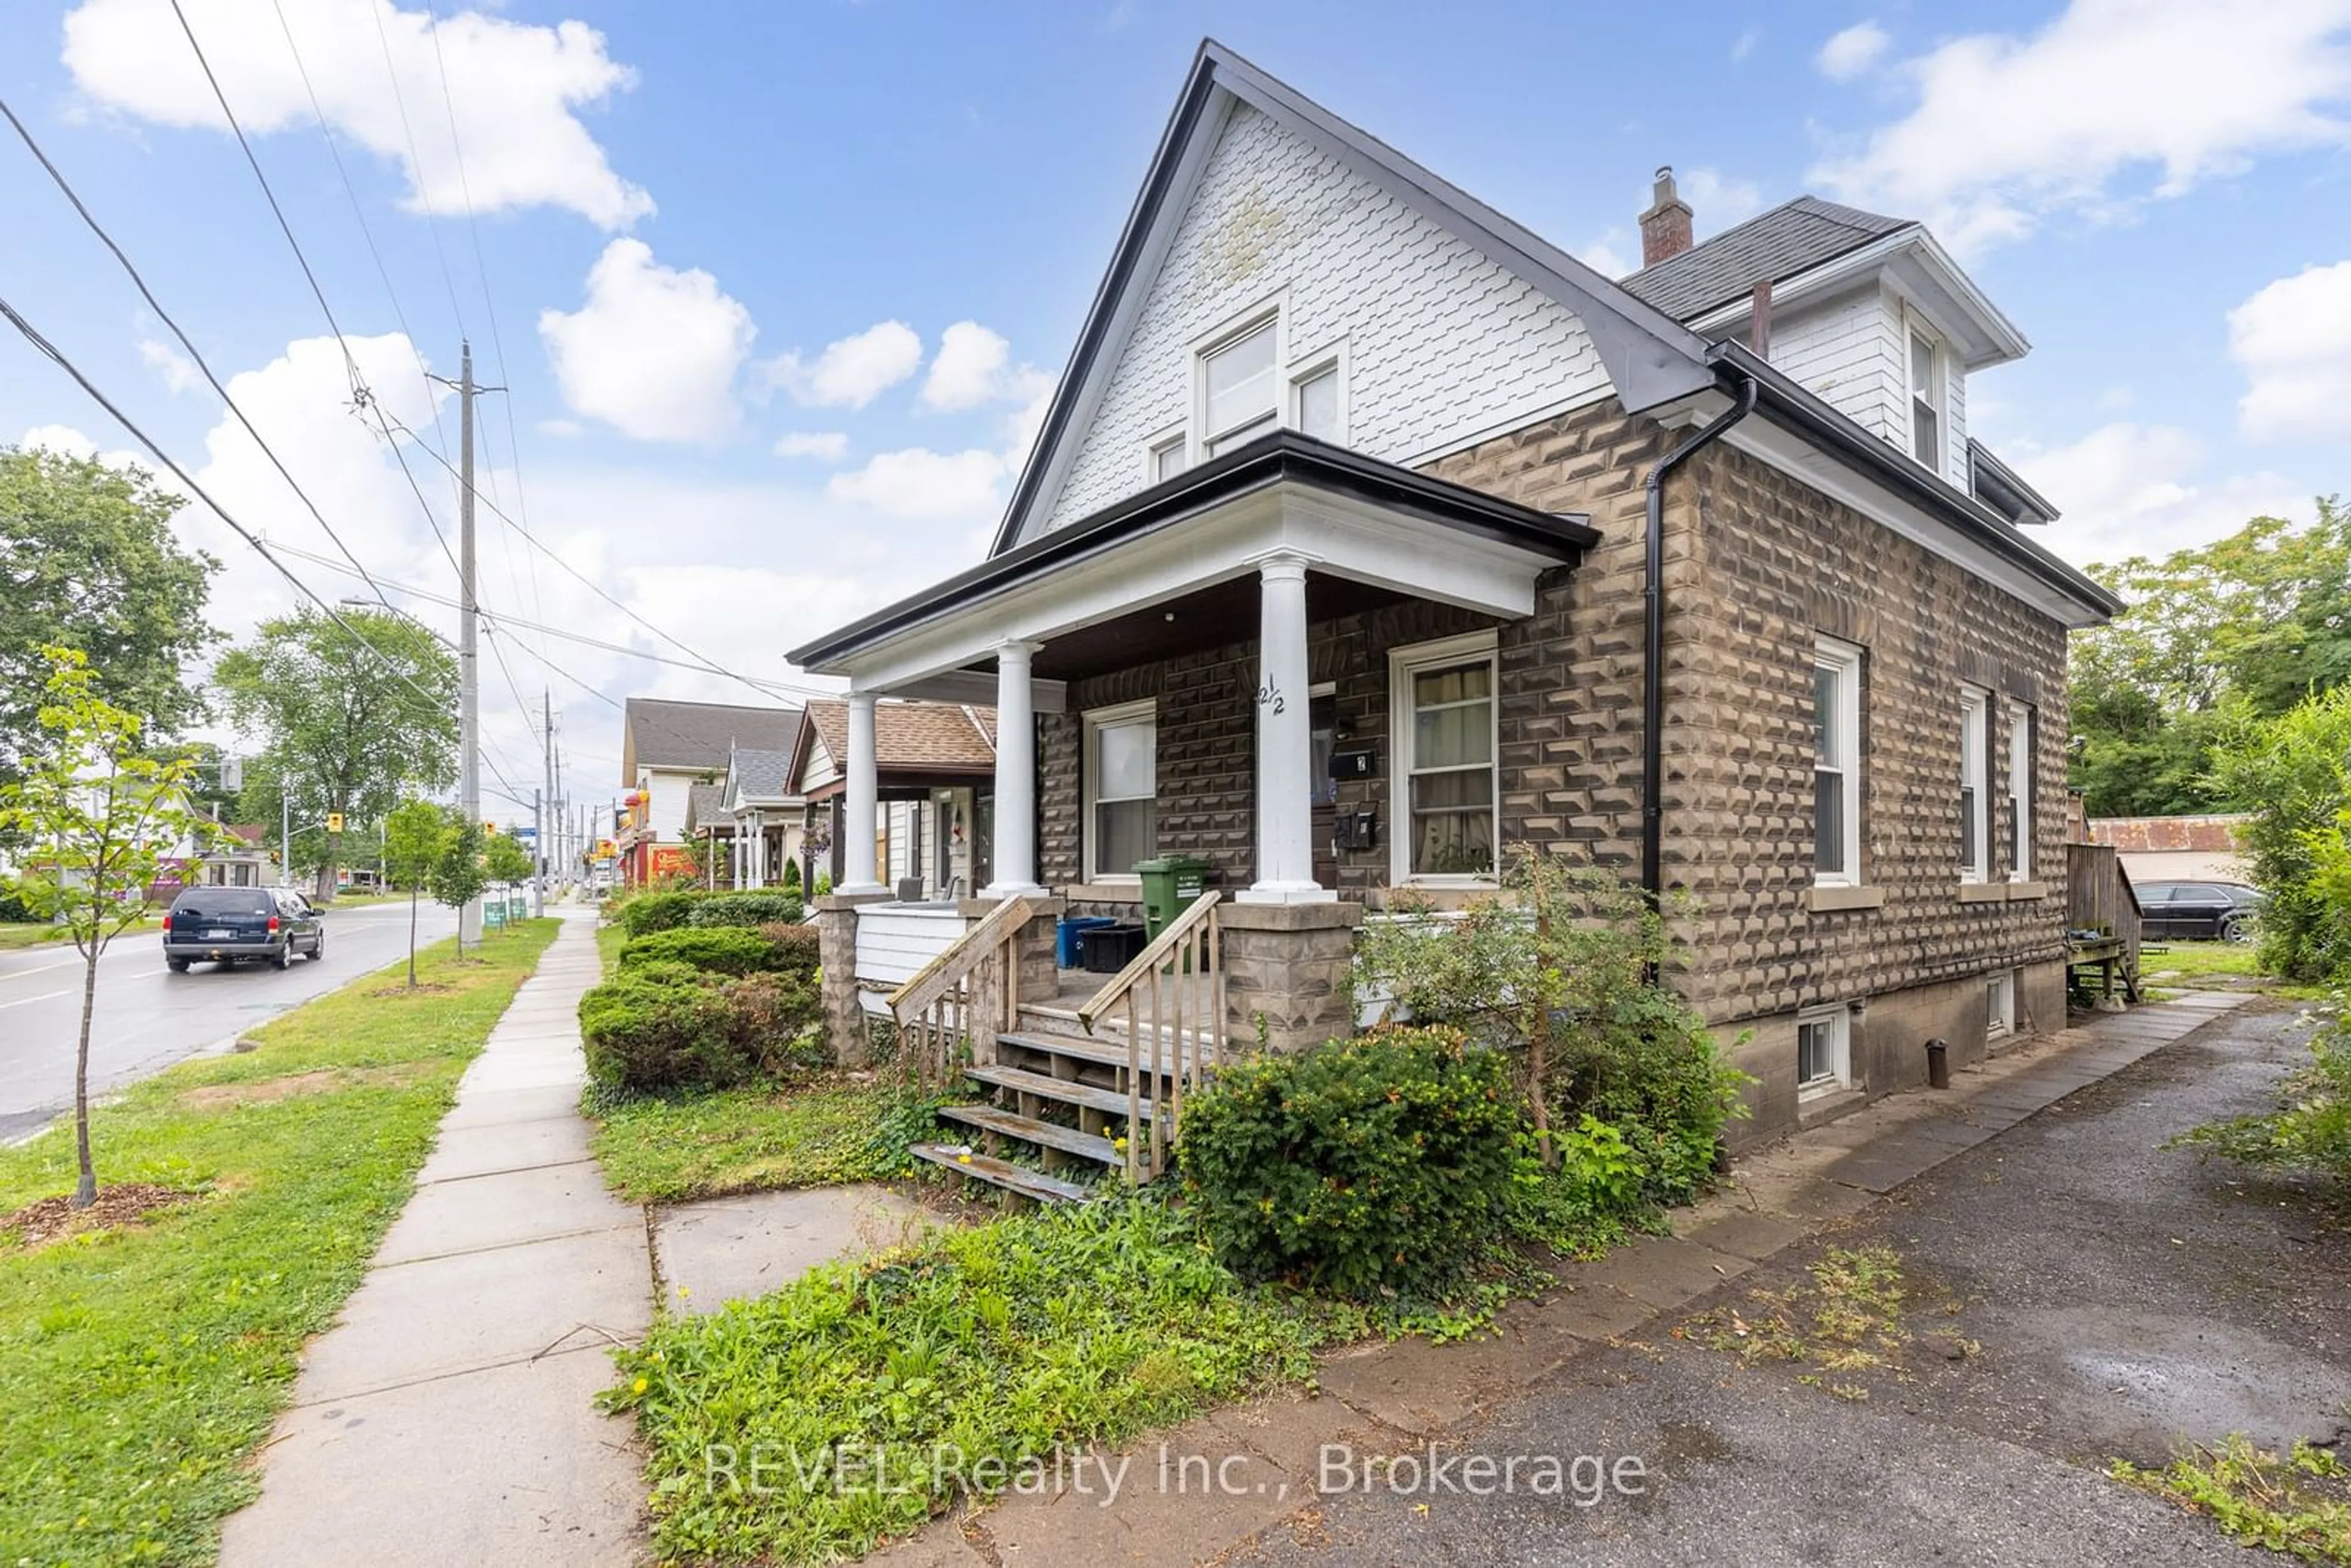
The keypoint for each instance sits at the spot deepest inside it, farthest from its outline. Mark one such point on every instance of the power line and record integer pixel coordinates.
(90, 219)
(57, 356)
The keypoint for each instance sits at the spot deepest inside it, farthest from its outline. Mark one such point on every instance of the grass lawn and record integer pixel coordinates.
(2208, 965)
(609, 938)
(817, 1132)
(140, 1367)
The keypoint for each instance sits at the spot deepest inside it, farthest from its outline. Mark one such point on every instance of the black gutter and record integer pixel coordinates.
(1282, 457)
(1790, 406)
(1653, 646)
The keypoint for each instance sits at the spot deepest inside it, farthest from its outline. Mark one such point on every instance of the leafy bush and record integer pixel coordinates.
(774, 1019)
(2291, 773)
(791, 883)
(744, 908)
(2311, 1129)
(797, 948)
(647, 913)
(1379, 1163)
(726, 949)
(13, 909)
(645, 1034)
(1558, 973)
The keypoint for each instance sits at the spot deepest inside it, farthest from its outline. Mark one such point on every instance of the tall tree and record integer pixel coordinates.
(98, 816)
(503, 858)
(88, 561)
(344, 729)
(2215, 636)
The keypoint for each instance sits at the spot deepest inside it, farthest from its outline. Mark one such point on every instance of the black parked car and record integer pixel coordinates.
(2221, 911)
(227, 923)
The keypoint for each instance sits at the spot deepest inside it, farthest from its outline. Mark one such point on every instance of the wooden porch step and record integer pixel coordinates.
(1002, 1172)
(1029, 1129)
(1020, 1081)
(1090, 1048)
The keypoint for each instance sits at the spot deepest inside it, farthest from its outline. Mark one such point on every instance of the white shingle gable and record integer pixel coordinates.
(1443, 345)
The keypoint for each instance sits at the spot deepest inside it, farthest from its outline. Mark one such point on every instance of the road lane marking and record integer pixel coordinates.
(43, 997)
(41, 968)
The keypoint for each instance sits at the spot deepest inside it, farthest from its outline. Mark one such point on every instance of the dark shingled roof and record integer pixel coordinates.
(700, 734)
(1790, 238)
(702, 808)
(760, 774)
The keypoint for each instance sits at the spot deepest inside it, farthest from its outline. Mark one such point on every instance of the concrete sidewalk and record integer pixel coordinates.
(1382, 1398)
(448, 1416)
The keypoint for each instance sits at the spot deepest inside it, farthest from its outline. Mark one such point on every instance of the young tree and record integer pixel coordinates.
(351, 728)
(457, 877)
(88, 561)
(504, 860)
(98, 817)
(412, 845)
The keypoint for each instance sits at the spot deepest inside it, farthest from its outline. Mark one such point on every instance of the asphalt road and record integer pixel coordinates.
(2123, 1297)
(148, 1017)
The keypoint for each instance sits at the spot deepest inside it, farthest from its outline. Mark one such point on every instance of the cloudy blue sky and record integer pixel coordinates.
(777, 288)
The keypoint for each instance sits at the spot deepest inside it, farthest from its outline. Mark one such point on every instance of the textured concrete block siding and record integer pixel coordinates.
(1442, 344)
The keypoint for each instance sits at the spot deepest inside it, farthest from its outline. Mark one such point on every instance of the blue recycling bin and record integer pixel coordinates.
(1069, 935)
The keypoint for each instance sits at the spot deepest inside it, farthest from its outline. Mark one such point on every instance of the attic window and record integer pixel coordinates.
(1240, 394)
(1926, 400)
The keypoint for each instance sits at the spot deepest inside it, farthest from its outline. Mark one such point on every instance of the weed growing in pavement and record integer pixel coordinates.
(1849, 1319)
(2297, 1504)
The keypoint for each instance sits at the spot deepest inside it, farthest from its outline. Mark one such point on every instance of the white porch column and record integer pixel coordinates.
(1016, 774)
(1285, 740)
(857, 868)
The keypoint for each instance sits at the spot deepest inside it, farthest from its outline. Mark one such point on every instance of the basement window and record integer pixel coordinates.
(1999, 1006)
(1824, 1049)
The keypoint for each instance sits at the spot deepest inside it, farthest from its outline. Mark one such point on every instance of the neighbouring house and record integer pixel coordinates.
(764, 817)
(2175, 849)
(238, 855)
(666, 750)
(935, 768)
(1370, 537)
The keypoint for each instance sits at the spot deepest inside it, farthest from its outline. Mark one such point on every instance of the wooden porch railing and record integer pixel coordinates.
(964, 997)
(1173, 988)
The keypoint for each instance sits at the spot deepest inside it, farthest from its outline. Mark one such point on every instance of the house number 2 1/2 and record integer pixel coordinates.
(1271, 696)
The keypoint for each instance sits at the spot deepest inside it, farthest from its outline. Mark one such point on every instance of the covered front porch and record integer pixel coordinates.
(1284, 662)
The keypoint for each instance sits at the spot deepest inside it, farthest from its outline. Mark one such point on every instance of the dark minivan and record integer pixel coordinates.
(226, 924)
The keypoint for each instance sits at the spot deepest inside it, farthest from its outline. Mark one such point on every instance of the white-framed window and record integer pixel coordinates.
(1975, 785)
(1824, 1049)
(1836, 763)
(1927, 395)
(1441, 700)
(1164, 455)
(2020, 793)
(2000, 1004)
(1240, 387)
(1318, 395)
(1121, 789)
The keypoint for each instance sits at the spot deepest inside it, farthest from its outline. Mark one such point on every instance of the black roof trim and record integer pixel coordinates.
(1987, 472)
(1282, 457)
(1788, 404)
(1651, 357)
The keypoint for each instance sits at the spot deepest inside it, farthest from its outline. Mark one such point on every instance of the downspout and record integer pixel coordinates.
(1653, 647)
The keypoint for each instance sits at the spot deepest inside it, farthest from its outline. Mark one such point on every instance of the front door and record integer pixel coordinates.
(1323, 722)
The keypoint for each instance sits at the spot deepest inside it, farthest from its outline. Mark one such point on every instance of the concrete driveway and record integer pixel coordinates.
(2122, 1298)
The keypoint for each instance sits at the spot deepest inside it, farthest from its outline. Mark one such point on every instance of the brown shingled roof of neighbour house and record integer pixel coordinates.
(914, 736)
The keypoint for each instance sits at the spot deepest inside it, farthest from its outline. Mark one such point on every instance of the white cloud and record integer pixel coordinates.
(826, 445)
(563, 429)
(1609, 256)
(1744, 45)
(2138, 489)
(654, 351)
(514, 89)
(853, 370)
(1717, 200)
(1848, 54)
(2293, 340)
(2114, 102)
(923, 484)
(61, 439)
(179, 372)
(974, 366)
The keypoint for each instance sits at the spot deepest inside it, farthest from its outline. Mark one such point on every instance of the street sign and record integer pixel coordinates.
(524, 835)
(334, 822)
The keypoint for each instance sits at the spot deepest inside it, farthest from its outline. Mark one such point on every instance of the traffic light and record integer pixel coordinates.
(334, 822)
(489, 829)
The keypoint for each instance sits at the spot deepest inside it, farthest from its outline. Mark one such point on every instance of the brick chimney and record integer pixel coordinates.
(1666, 227)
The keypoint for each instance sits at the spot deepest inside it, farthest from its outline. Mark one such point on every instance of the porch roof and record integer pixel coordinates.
(1356, 494)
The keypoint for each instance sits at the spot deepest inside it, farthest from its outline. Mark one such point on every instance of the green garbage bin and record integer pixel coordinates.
(1170, 885)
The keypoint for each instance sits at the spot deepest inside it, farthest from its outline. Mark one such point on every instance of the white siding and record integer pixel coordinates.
(1443, 345)
(1850, 350)
(893, 942)
(1954, 422)
(665, 815)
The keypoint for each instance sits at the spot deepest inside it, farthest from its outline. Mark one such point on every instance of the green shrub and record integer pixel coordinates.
(775, 1020)
(724, 949)
(2290, 773)
(1379, 1163)
(797, 947)
(647, 913)
(646, 1034)
(2311, 1129)
(792, 877)
(744, 908)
